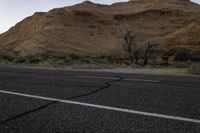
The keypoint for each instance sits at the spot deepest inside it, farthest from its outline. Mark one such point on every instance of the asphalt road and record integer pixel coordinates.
(58, 101)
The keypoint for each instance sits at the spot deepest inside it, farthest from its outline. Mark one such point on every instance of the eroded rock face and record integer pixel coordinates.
(93, 29)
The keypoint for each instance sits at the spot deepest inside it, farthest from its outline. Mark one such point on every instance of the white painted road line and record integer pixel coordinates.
(105, 107)
(114, 78)
(95, 77)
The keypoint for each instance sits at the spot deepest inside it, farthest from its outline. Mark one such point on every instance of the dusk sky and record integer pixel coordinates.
(13, 11)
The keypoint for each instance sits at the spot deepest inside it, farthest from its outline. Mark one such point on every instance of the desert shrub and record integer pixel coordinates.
(195, 57)
(6, 58)
(182, 55)
(73, 57)
(52, 61)
(28, 59)
(195, 69)
(186, 55)
(107, 60)
(33, 58)
(56, 61)
(4, 61)
(19, 59)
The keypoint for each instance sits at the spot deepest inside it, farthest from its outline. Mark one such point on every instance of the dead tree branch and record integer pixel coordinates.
(147, 53)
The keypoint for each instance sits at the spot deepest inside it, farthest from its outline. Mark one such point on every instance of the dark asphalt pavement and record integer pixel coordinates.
(176, 96)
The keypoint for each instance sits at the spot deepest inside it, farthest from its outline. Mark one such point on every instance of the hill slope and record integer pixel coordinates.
(94, 29)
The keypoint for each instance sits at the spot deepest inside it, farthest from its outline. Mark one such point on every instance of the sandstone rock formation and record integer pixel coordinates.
(94, 29)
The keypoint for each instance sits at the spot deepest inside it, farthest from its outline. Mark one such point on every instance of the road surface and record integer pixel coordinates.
(66, 101)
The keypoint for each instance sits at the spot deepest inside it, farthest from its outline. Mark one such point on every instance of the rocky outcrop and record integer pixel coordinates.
(94, 29)
(186, 38)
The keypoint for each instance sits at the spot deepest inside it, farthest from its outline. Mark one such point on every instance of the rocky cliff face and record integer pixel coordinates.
(93, 29)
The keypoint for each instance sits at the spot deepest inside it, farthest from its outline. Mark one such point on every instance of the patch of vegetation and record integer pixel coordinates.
(194, 69)
(4, 61)
(98, 62)
(28, 59)
(182, 55)
(195, 57)
(52, 61)
(82, 61)
(186, 55)
(84, 13)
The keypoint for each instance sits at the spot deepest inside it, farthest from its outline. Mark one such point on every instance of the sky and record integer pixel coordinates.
(13, 11)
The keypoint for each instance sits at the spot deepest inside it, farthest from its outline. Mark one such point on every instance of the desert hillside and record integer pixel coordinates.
(94, 29)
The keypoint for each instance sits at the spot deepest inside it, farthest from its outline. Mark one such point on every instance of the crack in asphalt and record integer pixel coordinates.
(107, 85)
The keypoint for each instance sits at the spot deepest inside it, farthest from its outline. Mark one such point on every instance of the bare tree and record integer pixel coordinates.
(165, 57)
(130, 46)
(134, 51)
(147, 52)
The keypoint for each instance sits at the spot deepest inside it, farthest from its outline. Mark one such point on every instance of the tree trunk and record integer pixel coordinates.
(130, 55)
(147, 52)
(136, 57)
(145, 58)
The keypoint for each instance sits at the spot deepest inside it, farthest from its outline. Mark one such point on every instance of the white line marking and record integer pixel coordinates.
(113, 78)
(105, 107)
(95, 77)
(143, 80)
